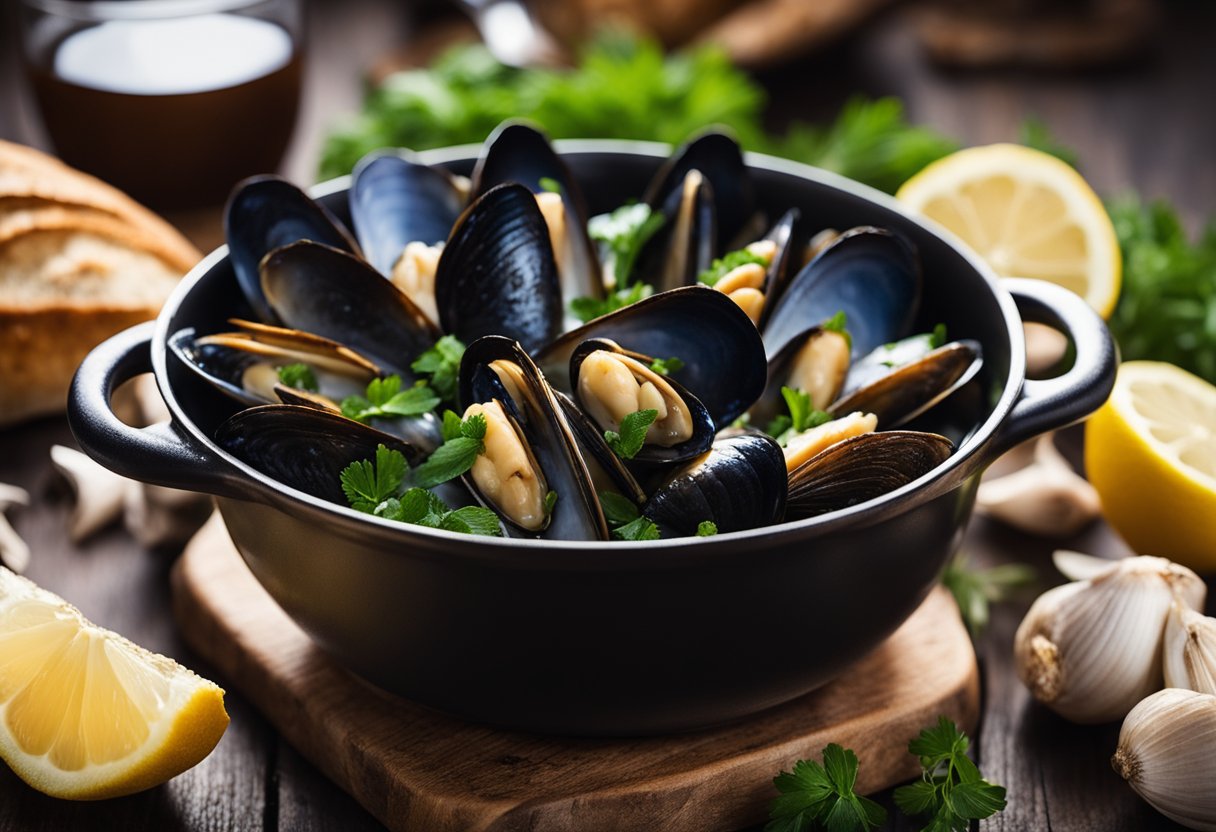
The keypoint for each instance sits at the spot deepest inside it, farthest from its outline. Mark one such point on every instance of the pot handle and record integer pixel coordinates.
(1047, 404)
(161, 454)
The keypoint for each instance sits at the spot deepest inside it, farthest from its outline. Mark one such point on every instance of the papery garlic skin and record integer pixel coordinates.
(1090, 650)
(1189, 651)
(1167, 754)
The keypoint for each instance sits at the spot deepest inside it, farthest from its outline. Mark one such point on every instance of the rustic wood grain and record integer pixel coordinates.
(415, 769)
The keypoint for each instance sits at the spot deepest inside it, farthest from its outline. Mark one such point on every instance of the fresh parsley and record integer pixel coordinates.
(666, 366)
(839, 323)
(587, 309)
(723, 266)
(976, 589)
(550, 185)
(299, 376)
(385, 399)
(707, 528)
(951, 792)
(375, 488)
(801, 415)
(815, 796)
(640, 529)
(937, 337)
(624, 232)
(441, 363)
(455, 456)
(626, 522)
(550, 502)
(367, 484)
(632, 435)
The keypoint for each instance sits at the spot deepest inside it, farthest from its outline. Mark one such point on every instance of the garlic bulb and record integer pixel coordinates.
(1189, 650)
(1090, 650)
(1166, 755)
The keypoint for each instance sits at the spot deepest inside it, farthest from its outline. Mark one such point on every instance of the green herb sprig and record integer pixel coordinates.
(384, 399)
(723, 266)
(666, 366)
(300, 376)
(801, 416)
(975, 590)
(951, 792)
(632, 435)
(587, 309)
(821, 796)
(624, 232)
(624, 518)
(441, 365)
(462, 445)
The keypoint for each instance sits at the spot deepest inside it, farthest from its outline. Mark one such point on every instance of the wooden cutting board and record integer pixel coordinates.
(415, 769)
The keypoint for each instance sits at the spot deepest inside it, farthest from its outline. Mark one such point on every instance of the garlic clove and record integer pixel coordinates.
(14, 553)
(1165, 755)
(1189, 650)
(98, 492)
(1045, 498)
(1078, 566)
(1090, 650)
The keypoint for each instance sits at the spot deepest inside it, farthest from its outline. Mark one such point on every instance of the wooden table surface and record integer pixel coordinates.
(1151, 126)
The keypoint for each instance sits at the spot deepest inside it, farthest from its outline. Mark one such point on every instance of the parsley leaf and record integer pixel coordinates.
(550, 502)
(618, 510)
(442, 364)
(587, 309)
(367, 484)
(723, 266)
(779, 426)
(624, 232)
(666, 366)
(838, 323)
(707, 528)
(937, 337)
(386, 399)
(455, 456)
(639, 529)
(823, 793)
(550, 185)
(422, 508)
(632, 436)
(951, 790)
(975, 589)
(451, 425)
(299, 376)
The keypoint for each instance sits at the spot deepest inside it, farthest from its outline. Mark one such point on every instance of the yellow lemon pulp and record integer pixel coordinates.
(86, 714)
(1028, 214)
(1150, 452)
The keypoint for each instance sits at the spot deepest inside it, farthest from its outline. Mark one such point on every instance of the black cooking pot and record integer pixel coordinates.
(610, 638)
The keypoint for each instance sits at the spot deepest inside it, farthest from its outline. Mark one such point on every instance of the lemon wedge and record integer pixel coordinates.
(1150, 452)
(86, 714)
(1028, 214)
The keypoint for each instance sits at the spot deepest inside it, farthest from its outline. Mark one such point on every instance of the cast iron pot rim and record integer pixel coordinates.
(898, 501)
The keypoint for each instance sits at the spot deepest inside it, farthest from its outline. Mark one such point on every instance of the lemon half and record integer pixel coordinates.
(1028, 214)
(1150, 452)
(86, 714)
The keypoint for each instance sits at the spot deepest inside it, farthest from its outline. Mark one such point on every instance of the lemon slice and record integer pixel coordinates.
(1150, 452)
(86, 714)
(1028, 214)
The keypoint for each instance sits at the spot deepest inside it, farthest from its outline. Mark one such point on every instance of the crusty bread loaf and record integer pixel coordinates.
(79, 261)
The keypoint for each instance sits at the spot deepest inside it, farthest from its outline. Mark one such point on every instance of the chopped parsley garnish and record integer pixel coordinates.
(587, 309)
(666, 366)
(299, 376)
(625, 231)
(641, 529)
(456, 455)
(938, 337)
(385, 399)
(442, 364)
(951, 792)
(838, 323)
(632, 435)
(723, 266)
(801, 415)
(550, 502)
(623, 517)
(815, 796)
(550, 185)
(707, 528)
(375, 488)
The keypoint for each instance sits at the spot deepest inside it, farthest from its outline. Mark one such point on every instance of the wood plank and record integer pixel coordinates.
(415, 769)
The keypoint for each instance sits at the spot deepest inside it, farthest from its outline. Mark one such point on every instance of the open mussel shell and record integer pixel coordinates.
(790, 235)
(815, 362)
(395, 202)
(497, 274)
(685, 245)
(870, 274)
(307, 448)
(244, 364)
(739, 484)
(530, 403)
(861, 468)
(885, 357)
(518, 152)
(719, 159)
(338, 296)
(265, 213)
(724, 362)
(608, 472)
(680, 405)
(908, 391)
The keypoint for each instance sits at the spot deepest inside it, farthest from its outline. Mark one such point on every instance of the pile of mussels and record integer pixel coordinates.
(495, 262)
